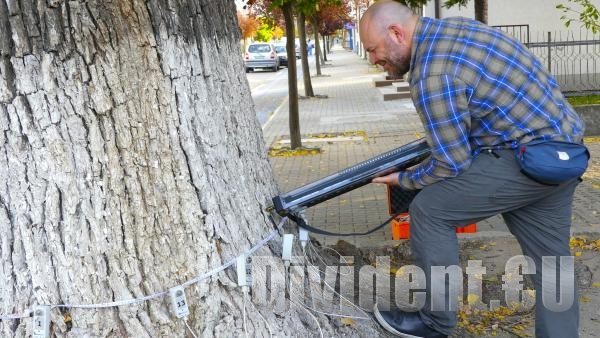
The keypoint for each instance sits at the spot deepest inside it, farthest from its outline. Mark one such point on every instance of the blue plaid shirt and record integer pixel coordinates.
(474, 86)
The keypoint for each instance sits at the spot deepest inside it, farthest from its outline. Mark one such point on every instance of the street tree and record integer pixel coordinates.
(308, 9)
(132, 161)
(267, 30)
(330, 18)
(319, 54)
(301, 24)
(585, 13)
(481, 8)
(278, 33)
(286, 8)
(248, 26)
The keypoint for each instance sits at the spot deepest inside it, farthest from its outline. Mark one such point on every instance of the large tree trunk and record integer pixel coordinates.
(308, 89)
(131, 162)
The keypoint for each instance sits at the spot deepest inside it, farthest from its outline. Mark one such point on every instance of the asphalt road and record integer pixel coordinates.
(269, 90)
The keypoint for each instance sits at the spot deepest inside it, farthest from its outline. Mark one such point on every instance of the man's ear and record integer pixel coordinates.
(398, 33)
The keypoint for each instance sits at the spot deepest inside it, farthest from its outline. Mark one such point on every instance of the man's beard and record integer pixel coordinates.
(399, 61)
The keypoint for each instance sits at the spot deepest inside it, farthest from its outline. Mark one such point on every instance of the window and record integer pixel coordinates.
(259, 49)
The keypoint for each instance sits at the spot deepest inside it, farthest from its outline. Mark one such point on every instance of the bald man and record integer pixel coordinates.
(480, 94)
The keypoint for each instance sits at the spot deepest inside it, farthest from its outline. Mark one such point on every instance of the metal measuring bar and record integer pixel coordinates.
(351, 178)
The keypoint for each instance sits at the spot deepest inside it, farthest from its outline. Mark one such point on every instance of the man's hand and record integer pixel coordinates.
(391, 179)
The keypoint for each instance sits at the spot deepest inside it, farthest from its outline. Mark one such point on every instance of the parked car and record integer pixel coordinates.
(282, 55)
(261, 55)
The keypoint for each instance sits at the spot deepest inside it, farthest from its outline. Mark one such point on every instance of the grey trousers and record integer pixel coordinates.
(539, 216)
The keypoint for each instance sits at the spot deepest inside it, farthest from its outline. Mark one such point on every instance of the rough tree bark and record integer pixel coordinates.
(131, 161)
(481, 9)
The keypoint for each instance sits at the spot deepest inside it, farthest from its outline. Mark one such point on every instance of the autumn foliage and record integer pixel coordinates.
(332, 16)
(248, 25)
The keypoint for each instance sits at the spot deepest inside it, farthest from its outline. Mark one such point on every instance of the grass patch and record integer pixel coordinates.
(360, 133)
(288, 152)
(583, 100)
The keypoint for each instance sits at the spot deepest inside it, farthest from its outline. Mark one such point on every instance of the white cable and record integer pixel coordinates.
(313, 248)
(232, 261)
(245, 291)
(263, 318)
(112, 304)
(337, 252)
(308, 308)
(189, 328)
(342, 315)
(161, 293)
(310, 313)
(209, 274)
(368, 317)
(332, 314)
(13, 316)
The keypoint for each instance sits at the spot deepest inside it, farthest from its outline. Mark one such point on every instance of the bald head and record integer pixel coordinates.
(384, 13)
(386, 31)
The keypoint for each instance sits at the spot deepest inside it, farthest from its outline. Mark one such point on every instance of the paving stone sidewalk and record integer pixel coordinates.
(355, 105)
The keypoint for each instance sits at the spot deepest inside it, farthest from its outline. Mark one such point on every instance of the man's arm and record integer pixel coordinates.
(442, 103)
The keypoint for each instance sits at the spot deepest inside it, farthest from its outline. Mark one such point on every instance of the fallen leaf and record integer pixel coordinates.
(491, 278)
(348, 321)
(472, 298)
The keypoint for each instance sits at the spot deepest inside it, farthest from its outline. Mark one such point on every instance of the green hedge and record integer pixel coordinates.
(583, 100)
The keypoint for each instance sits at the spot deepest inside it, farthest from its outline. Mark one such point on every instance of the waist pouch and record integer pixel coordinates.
(552, 162)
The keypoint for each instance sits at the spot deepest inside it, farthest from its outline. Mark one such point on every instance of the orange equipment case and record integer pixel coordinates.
(398, 203)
